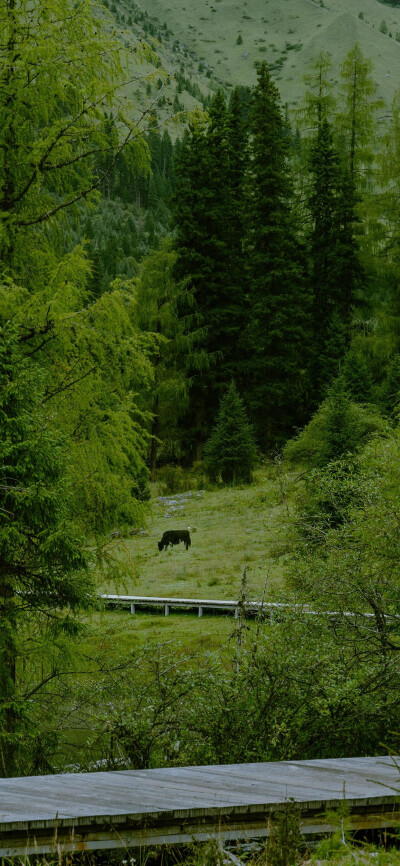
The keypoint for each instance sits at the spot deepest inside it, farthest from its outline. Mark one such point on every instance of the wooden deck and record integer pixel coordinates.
(88, 811)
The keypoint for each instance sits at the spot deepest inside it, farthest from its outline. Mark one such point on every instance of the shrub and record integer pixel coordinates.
(339, 427)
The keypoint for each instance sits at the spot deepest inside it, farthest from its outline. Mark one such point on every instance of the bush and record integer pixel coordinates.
(173, 479)
(339, 427)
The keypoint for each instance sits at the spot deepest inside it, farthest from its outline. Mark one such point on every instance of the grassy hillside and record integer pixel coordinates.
(222, 41)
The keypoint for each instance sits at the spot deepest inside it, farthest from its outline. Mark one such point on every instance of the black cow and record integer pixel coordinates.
(174, 536)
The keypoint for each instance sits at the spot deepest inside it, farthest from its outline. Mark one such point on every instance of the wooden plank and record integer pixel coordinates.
(109, 809)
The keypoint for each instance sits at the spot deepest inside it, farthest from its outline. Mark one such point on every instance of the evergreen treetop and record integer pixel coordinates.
(230, 452)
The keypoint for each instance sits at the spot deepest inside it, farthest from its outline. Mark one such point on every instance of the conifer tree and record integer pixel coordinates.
(236, 311)
(336, 273)
(357, 376)
(193, 264)
(44, 578)
(277, 339)
(357, 119)
(230, 452)
(164, 310)
(319, 101)
(207, 214)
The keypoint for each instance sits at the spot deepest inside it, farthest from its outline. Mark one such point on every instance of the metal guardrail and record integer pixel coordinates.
(250, 609)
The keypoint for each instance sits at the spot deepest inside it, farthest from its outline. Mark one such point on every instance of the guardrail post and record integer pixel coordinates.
(200, 611)
(166, 609)
(132, 607)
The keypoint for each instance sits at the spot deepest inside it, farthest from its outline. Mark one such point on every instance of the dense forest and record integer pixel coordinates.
(210, 297)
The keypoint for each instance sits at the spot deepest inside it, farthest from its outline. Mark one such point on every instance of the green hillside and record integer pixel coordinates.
(222, 41)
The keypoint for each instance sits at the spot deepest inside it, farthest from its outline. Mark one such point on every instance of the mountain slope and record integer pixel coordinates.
(222, 41)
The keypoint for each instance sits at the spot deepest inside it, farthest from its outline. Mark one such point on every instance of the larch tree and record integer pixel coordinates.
(68, 362)
(164, 310)
(356, 121)
(58, 73)
(319, 101)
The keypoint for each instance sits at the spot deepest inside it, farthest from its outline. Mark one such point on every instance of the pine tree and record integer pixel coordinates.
(276, 338)
(230, 452)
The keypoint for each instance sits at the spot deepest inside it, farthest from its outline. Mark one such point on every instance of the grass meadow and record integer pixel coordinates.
(232, 528)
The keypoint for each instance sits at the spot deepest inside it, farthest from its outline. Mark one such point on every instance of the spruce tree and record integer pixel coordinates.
(193, 263)
(44, 576)
(276, 338)
(207, 217)
(230, 452)
(337, 277)
(236, 309)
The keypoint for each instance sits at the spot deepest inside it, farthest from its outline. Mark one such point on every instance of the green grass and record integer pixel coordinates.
(231, 528)
(119, 633)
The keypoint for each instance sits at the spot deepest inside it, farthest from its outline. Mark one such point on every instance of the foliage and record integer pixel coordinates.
(276, 339)
(91, 379)
(52, 122)
(284, 840)
(104, 360)
(339, 426)
(208, 230)
(163, 309)
(353, 566)
(357, 119)
(73, 438)
(43, 561)
(230, 452)
(302, 690)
